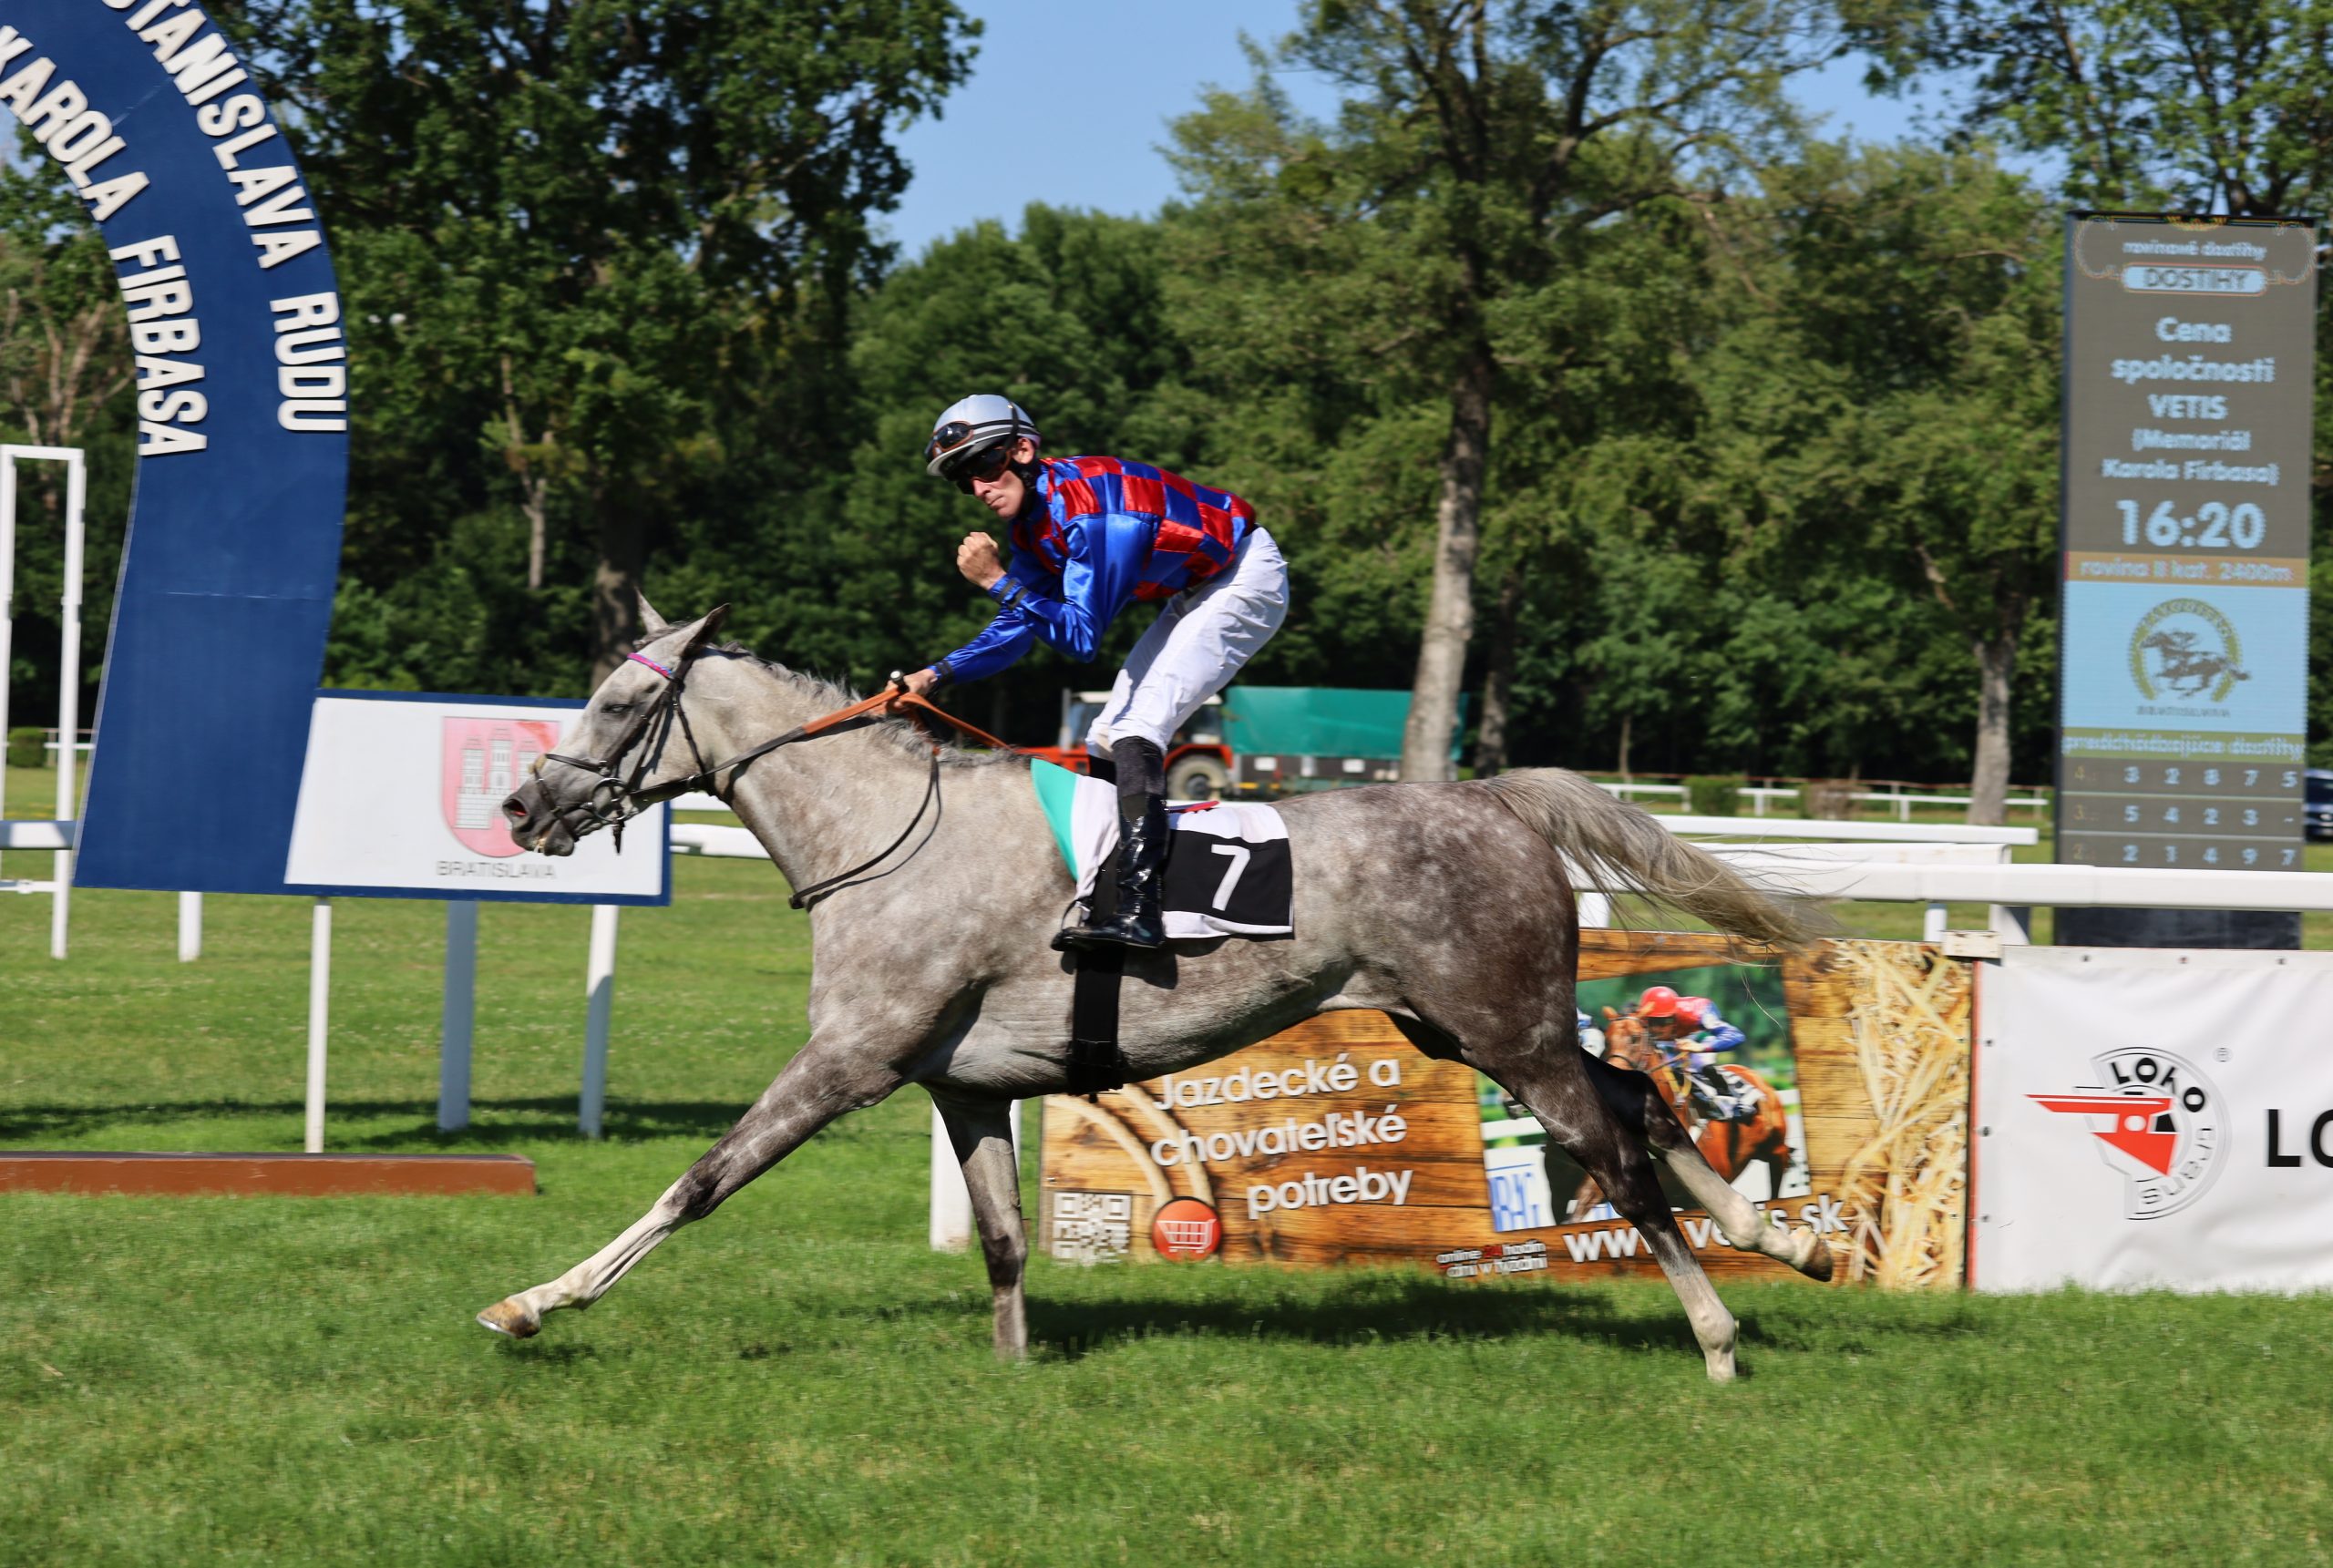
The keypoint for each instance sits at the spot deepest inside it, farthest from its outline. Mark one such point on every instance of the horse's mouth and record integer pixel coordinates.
(536, 824)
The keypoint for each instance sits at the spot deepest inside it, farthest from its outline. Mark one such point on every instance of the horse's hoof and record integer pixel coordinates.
(1818, 1263)
(509, 1317)
(1721, 1365)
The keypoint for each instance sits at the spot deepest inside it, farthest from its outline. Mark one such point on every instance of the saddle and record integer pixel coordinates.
(1227, 873)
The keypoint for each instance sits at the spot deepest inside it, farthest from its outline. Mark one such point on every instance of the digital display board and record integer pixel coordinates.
(2184, 533)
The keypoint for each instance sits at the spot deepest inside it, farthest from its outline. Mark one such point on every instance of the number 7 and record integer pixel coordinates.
(1239, 853)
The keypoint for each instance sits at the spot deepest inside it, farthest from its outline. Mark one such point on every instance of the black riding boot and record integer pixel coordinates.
(1135, 922)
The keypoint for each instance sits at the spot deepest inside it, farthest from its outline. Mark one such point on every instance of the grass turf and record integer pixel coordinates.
(798, 1379)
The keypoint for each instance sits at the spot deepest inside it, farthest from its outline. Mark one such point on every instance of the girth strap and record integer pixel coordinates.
(1095, 1061)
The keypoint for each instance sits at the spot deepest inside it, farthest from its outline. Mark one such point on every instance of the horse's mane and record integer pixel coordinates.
(829, 695)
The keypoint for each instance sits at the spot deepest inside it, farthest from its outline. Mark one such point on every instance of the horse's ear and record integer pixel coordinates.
(707, 626)
(650, 623)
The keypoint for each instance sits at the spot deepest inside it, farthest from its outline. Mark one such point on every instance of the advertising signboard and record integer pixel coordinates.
(234, 317)
(2185, 534)
(402, 797)
(2154, 1124)
(1336, 1142)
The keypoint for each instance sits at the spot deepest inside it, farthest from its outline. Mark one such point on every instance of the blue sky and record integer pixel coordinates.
(1070, 100)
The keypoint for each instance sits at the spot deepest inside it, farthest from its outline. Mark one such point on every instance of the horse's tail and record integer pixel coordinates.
(1623, 846)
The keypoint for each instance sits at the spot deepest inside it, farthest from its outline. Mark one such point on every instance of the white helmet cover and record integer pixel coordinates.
(979, 422)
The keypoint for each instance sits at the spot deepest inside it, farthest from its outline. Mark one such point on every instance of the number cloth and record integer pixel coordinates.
(1227, 868)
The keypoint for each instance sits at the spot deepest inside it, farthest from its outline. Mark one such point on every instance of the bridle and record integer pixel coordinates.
(615, 799)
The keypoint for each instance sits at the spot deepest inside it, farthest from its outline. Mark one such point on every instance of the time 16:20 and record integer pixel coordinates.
(2214, 525)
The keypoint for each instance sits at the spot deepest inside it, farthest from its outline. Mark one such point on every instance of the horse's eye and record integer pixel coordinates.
(614, 709)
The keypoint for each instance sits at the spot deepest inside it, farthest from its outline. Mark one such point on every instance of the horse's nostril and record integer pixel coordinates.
(515, 809)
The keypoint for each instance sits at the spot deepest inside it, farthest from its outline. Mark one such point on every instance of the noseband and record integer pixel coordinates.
(615, 799)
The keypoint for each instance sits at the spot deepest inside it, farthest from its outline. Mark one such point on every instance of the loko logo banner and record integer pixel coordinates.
(2184, 1152)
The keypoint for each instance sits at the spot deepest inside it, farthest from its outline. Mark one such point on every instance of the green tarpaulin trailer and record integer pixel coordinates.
(1316, 737)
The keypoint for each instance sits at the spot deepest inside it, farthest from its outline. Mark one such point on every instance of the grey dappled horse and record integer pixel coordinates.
(1445, 904)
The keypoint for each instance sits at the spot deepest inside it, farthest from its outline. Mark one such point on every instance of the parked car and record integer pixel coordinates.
(2316, 803)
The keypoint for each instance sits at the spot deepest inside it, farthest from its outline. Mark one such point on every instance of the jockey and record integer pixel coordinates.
(1694, 1021)
(1091, 534)
(1713, 1035)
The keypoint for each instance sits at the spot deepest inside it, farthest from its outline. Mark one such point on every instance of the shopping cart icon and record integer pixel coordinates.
(1186, 1227)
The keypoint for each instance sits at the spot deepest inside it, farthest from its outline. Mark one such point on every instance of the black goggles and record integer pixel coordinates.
(985, 465)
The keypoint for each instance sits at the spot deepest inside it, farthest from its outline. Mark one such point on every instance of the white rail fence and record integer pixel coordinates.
(1761, 794)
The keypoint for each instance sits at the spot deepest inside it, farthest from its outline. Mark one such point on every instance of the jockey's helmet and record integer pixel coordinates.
(971, 425)
(1695, 1010)
(1658, 1002)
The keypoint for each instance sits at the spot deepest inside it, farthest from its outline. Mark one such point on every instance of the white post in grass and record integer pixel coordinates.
(952, 1204)
(68, 691)
(190, 926)
(455, 1019)
(319, 1016)
(600, 982)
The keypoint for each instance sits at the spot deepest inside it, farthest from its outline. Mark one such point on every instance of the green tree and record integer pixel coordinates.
(1476, 145)
(592, 249)
(2197, 106)
(1919, 295)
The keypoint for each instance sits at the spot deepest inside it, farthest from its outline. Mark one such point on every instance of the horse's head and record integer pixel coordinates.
(619, 747)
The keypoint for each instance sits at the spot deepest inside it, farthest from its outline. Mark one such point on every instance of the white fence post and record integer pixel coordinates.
(319, 1018)
(190, 926)
(68, 695)
(951, 1203)
(457, 1016)
(600, 982)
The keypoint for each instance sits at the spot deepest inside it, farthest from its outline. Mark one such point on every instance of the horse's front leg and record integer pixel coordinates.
(831, 1075)
(980, 1132)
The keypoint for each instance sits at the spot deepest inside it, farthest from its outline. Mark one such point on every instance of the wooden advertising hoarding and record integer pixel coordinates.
(1337, 1142)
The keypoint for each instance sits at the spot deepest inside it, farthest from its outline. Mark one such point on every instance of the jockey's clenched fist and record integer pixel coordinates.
(978, 559)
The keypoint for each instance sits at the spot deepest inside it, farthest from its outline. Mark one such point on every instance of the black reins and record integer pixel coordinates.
(615, 799)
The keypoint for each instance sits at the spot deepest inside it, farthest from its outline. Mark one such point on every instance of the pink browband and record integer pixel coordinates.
(660, 669)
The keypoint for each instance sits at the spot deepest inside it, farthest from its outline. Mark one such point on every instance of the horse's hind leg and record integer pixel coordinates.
(1553, 1084)
(1639, 1108)
(819, 1085)
(981, 1134)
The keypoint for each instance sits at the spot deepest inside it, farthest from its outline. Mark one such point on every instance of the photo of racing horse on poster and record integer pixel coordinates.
(1448, 907)
(1714, 1040)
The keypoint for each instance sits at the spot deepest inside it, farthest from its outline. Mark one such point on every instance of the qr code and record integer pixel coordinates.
(1092, 1227)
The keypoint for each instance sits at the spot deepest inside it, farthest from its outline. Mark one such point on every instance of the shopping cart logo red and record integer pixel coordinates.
(1186, 1227)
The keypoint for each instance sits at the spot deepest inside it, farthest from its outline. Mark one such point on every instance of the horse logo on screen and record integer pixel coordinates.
(2158, 1122)
(2187, 650)
(484, 760)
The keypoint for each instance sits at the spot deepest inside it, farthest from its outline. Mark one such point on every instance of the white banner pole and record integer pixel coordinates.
(319, 1016)
(599, 984)
(190, 926)
(457, 1018)
(8, 576)
(69, 697)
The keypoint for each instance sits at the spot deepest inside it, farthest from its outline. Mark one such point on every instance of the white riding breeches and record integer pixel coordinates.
(1201, 638)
